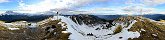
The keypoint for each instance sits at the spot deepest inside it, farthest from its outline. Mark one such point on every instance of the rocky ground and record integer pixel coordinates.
(51, 30)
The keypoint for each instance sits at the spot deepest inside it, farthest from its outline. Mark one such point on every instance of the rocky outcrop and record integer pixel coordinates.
(50, 30)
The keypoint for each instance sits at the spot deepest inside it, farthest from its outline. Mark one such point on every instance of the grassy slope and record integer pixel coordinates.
(150, 28)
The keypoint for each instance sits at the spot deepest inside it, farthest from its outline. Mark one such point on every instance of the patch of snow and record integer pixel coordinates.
(125, 35)
(8, 24)
(33, 25)
(55, 33)
(154, 34)
(65, 32)
(51, 29)
(13, 28)
(62, 24)
(143, 30)
(132, 22)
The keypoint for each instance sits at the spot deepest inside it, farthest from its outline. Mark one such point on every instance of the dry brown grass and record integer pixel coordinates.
(39, 33)
(162, 20)
(3, 28)
(150, 28)
(118, 29)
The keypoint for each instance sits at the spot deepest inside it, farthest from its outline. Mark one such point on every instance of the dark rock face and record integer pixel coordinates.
(86, 19)
(91, 20)
(109, 17)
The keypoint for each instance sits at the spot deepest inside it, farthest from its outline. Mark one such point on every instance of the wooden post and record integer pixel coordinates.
(141, 11)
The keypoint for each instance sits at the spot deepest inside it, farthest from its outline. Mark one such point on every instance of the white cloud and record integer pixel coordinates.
(69, 5)
(163, 12)
(130, 2)
(143, 6)
(102, 9)
(1, 12)
(153, 2)
(134, 7)
(145, 2)
(130, 10)
(138, 10)
(21, 3)
(59, 5)
(2, 1)
(94, 11)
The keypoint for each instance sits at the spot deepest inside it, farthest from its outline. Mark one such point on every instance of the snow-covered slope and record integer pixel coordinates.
(86, 32)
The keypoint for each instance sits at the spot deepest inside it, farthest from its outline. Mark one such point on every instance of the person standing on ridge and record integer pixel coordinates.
(57, 15)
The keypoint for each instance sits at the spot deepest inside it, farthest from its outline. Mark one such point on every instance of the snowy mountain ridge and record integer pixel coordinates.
(85, 32)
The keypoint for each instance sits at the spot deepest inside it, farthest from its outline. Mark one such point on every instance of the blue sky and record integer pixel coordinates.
(13, 4)
(89, 6)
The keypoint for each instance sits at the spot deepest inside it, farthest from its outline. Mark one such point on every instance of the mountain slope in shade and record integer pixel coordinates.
(13, 18)
(155, 16)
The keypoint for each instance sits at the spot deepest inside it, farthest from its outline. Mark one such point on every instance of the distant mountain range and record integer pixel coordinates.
(10, 16)
(28, 14)
(155, 16)
(151, 16)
